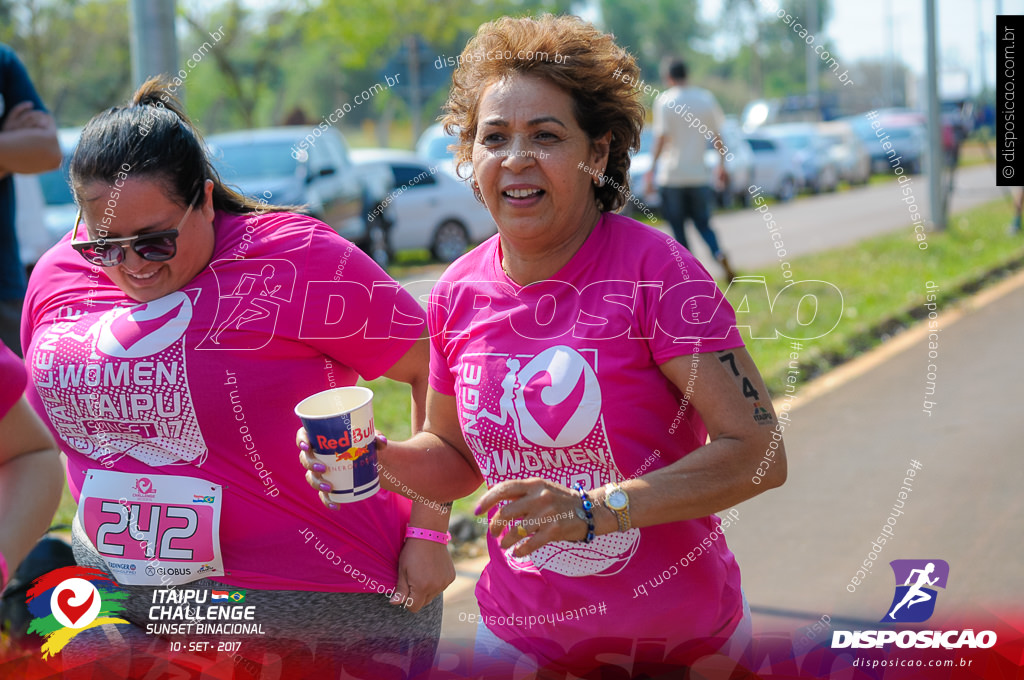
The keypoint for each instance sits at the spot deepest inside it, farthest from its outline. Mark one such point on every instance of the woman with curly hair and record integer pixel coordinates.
(580, 362)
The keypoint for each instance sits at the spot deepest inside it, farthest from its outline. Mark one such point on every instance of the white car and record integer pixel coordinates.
(432, 146)
(45, 208)
(739, 165)
(429, 208)
(819, 171)
(776, 171)
(847, 150)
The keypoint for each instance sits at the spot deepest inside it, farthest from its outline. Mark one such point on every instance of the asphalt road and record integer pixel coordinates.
(849, 450)
(816, 223)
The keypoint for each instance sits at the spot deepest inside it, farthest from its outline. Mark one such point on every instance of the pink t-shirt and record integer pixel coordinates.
(12, 379)
(203, 382)
(560, 380)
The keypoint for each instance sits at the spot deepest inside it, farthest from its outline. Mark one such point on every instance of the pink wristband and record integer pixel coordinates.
(3, 572)
(428, 535)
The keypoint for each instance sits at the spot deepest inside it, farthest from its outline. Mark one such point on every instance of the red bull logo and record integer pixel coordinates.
(342, 446)
(352, 454)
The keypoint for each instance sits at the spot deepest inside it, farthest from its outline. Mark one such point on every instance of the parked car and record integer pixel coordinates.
(295, 166)
(818, 170)
(775, 168)
(432, 146)
(430, 209)
(906, 132)
(29, 219)
(740, 168)
(45, 208)
(639, 164)
(849, 151)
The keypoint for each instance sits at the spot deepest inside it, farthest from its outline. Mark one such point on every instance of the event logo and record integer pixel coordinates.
(144, 486)
(145, 329)
(559, 398)
(66, 601)
(914, 601)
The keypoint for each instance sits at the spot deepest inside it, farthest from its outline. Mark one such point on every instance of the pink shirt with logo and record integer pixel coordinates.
(12, 379)
(202, 383)
(560, 380)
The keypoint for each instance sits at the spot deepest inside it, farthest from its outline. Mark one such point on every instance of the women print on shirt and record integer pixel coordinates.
(540, 416)
(114, 383)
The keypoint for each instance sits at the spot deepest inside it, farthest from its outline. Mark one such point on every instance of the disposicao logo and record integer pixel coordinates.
(914, 602)
(920, 578)
(66, 601)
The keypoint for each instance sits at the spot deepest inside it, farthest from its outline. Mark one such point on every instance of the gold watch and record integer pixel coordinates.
(617, 500)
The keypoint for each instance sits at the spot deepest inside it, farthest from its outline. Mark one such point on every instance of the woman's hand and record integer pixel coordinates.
(314, 469)
(425, 569)
(537, 510)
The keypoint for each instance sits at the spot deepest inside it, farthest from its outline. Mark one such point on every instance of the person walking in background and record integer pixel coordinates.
(685, 119)
(28, 144)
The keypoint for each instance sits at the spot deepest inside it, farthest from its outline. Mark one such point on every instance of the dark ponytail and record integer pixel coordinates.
(152, 137)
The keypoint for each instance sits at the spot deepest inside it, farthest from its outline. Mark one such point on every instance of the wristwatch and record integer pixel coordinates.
(617, 500)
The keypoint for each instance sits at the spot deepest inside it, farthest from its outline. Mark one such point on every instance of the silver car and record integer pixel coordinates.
(430, 209)
(297, 165)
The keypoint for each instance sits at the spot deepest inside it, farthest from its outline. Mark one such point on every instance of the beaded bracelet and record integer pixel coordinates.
(588, 507)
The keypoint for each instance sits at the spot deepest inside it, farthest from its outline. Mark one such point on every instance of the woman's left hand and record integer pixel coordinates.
(536, 509)
(425, 569)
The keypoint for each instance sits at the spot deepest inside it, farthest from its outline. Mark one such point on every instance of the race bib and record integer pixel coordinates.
(153, 529)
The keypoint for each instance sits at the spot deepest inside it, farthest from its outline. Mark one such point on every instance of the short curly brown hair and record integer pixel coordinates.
(571, 54)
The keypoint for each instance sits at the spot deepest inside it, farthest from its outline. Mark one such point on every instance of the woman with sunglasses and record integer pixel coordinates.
(168, 337)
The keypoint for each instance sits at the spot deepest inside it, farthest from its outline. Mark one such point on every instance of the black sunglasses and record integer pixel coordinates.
(156, 246)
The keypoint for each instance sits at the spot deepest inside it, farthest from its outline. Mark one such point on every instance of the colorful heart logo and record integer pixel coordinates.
(560, 398)
(73, 612)
(552, 418)
(128, 329)
(144, 485)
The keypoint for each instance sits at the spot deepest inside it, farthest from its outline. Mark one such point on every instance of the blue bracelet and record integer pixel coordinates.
(588, 507)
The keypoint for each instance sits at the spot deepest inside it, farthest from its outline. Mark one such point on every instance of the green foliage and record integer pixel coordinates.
(653, 29)
(882, 283)
(77, 53)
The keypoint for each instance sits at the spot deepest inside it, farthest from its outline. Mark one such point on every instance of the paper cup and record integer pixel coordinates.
(339, 424)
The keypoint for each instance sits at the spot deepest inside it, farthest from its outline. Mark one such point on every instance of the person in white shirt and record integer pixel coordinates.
(685, 119)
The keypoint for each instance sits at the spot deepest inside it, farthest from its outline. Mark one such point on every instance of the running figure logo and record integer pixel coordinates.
(914, 601)
(251, 293)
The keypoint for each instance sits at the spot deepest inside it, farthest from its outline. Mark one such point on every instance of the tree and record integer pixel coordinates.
(77, 53)
(773, 57)
(250, 62)
(653, 29)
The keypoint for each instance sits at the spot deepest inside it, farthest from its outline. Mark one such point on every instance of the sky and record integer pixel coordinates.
(858, 28)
